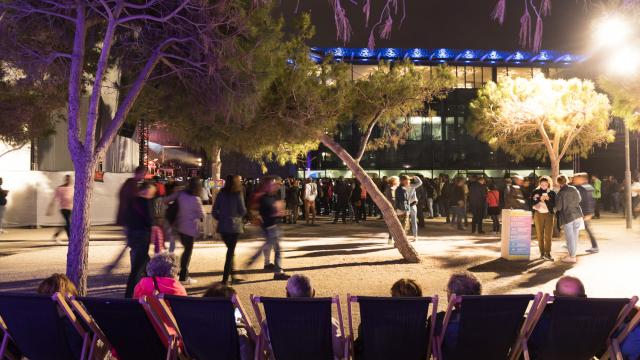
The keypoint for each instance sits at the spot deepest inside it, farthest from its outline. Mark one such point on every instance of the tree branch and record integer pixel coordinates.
(75, 79)
(154, 18)
(365, 139)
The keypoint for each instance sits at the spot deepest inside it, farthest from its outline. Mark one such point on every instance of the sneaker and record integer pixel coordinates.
(281, 276)
(548, 257)
(269, 266)
(569, 259)
(593, 250)
(189, 281)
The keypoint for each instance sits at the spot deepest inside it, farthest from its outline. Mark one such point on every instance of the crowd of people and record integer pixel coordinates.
(161, 279)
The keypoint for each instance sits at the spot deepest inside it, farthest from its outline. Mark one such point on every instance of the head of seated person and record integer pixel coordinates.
(57, 283)
(569, 286)
(299, 286)
(462, 284)
(162, 270)
(406, 288)
(219, 290)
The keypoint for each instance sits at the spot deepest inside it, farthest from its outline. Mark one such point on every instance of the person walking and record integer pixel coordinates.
(270, 209)
(63, 195)
(477, 203)
(543, 200)
(407, 201)
(139, 220)
(309, 196)
(570, 215)
(493, 207)
(597, 195)
(3, 205)
(229, 210)
(588, 206)
(190, 213)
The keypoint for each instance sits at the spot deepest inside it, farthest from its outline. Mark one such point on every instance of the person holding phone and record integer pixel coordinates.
(542, 201)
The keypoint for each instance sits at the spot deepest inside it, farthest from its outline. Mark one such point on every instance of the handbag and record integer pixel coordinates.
(237, 224)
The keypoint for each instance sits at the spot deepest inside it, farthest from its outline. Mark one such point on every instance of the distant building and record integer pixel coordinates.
(439, 142)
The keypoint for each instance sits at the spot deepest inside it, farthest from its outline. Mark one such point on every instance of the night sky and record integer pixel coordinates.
(453, 24)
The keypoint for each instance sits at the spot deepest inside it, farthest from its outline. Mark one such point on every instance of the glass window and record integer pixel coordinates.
(436, 127)
(537, 71)
(362, 71)
(486, 75)
(553, 73)
(518, 72)
(503, 73)
(415, 124)
(346, 133)
(462, 130)
(451, 128)
(460, 75)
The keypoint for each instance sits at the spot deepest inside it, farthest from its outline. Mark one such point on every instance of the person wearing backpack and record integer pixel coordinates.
(188, 213)
(310, 194)
(229, 210)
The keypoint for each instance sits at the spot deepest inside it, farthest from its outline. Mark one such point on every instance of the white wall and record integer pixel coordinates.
(31, 192)
(15, 158)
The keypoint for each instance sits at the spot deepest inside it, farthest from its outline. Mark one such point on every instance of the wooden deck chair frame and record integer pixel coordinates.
(430, 340)
(4, 345)
(455, 300)
(83, 314)
(521, 347)
(166, 309)
(172, 340)
(263, 343)
(614, 351)
(60, 300)
(535, 312)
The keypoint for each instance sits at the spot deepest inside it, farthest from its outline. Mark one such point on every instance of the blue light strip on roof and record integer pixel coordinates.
(447, 55)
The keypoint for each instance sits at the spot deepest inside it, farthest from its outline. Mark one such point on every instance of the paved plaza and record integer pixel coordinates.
(344, 258)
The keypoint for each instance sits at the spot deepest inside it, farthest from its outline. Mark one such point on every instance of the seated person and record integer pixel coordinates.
(162, 270)
(567, 286)
(62, 284)
(401, 288)
(462, 284)
(219, 290)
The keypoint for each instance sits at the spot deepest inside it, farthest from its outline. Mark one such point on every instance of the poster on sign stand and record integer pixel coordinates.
(516, 234)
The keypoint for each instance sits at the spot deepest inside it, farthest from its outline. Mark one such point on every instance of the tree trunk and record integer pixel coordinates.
(388, 211)
(555, 170)
(216, 167)
(78, 251)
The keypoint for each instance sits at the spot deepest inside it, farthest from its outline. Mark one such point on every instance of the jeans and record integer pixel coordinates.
(544, 230)
(340, 209)
(185, 259)
(66, 214)
(458, 215)
(413, 220)
(230, 240)
(587, 228)
(430, 207)
(138, 241)
(310, 211)
(571, 231)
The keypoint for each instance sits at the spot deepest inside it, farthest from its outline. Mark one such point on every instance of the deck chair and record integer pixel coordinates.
(8, 349)
(297, 328)
(488, 326)
(42, 327)
(614, 351)
(575, 328)
(129, 328)
(393, 327)
(207, 326)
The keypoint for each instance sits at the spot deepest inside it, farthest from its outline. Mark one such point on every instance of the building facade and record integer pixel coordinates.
(439, 141)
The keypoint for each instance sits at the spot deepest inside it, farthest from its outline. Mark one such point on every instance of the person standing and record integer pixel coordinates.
(543, 200)
(293, 201)
(3, 205)
(229, 210)
(493, 207)
(477, 203)
(588, 205)
(63, 195)
(342, 191)
(421, 192)
(270, 209)
(457, 201)
(139, 220)
(407, 201)
(355, 202)
(390, 194)
(310, 194)
(128, 192)
(190, 212)
(570, 215)
(597, 195)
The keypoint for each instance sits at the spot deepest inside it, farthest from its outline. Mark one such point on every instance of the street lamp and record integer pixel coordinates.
(624, 61)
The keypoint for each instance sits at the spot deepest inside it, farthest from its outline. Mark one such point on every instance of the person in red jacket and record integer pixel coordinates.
(493, 206)
(161, 278)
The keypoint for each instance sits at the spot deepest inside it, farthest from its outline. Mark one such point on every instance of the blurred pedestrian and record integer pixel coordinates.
(588, 205)
(63, 195)
(229, 210)
(570, 215)
(139, 220)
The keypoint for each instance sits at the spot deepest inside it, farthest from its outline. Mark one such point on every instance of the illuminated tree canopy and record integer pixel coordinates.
(542, 118)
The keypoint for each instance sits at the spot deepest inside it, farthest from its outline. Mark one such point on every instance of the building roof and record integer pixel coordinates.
(450, 56)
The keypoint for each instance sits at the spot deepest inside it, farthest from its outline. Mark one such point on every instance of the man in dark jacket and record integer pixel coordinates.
(128, 192)
(588, 206)
(457, 201)
(570, 215)
(514, 198)
(343, 194)
(477, 203)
